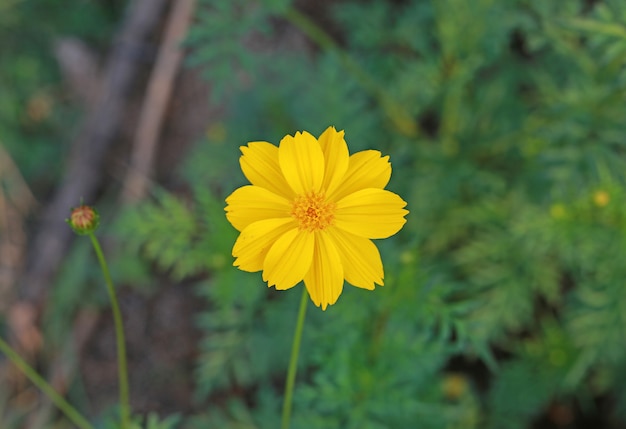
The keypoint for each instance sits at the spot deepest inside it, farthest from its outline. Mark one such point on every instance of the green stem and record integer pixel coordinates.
(119, 336)
(293, 361)
(69, 411)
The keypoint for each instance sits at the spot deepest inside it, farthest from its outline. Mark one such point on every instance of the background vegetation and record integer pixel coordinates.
(504, 303)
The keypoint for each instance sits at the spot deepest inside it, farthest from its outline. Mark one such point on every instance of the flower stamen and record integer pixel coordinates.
(312, 211)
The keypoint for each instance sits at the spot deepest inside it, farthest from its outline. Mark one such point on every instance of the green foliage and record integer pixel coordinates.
(34, 108)
(151, 421)
(222, 40)
(511, 160)
(234, 415)
(182, 240)
(547, 368)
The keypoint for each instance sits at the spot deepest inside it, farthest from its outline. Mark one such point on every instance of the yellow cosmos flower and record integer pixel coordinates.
(310, 214)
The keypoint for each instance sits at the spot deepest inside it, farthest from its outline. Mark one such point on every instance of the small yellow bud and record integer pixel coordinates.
(558, 211)
(407, 257)
(83, 219)
(601, 198)
(454, 385)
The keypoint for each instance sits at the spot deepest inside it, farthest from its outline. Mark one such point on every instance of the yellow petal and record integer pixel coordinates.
(324, 281)
(249, 204)
(255, 241)
(302, 162)
(336, 158)
(371, 213)
(361, 261)
(289, 259)
(367, 169)
(259, 164)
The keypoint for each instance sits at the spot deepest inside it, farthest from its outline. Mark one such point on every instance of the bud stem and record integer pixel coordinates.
(119, 336)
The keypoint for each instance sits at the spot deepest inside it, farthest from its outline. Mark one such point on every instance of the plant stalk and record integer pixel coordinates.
(119, 336)
(70, 412)
(293, 361)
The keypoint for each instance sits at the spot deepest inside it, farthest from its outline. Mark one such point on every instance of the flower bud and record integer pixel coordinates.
(83, 219)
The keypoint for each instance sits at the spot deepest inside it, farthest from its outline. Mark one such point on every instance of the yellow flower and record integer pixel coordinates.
(310, 212)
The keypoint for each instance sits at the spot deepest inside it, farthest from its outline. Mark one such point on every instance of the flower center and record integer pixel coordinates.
(312, 211)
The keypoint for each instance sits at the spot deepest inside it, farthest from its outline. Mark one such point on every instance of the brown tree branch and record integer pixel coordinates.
(84, 172)
(156, 101)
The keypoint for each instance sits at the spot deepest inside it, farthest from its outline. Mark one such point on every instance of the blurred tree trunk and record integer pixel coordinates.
(84, 171)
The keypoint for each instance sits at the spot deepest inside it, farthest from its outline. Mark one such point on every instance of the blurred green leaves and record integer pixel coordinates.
(34, 108)
(512, 258)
